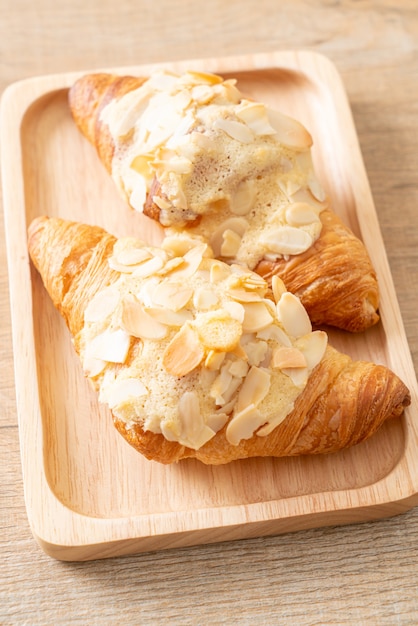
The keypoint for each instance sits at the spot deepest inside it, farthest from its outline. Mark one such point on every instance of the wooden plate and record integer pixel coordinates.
(88, 494)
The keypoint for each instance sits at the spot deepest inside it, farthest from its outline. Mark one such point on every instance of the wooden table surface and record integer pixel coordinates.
(367, 573)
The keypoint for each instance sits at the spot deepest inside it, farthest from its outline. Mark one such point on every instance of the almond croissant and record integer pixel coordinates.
(192, 153)
(199, 358)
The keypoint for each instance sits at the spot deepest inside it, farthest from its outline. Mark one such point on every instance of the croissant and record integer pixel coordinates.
(192, 153)
(199, 358)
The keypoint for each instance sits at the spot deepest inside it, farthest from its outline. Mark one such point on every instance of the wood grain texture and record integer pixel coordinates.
(351, 575)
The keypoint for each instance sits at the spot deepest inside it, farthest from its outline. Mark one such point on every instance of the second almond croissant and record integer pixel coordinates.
(198, 358)
(192, 152)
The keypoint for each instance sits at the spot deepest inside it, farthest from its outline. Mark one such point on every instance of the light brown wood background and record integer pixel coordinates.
(353, 575)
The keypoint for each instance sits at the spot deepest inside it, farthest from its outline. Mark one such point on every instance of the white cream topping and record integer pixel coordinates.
(196, 344)
(217, 155)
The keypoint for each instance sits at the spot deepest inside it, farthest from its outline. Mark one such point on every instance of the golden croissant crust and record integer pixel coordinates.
(185, 180)
(122, 289)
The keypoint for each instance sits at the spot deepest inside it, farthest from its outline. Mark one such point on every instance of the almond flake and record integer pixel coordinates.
(284, 357)
(313, 346)
(170, 266)
(169, 317)
(218, 272)
(138, 323)
(243, 424)
(192, 260)
(184, 352)
(133, 256)
(111, 346)
(102, 304)
(138, 195)
(256, 352)
(287, 240)
(278, 287)
(203, 77)
(235, 310)
(274, 333)
(305, 196)
(236, 224)
(230, 244)
(124, 390)
(257, 316)
(236, 130)
(220, 386)
(301, 214)
(241, 295)
(254, 388)
(214, 360)
(216, 421)
(172, 295)
(316, 189)
(243, 199)
(148, 268)
(92, 366)
(238, 368)
(292, 314)
(289, 131)
(255, 116)
(204, 298)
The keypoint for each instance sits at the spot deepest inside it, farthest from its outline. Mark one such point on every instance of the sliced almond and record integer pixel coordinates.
(256, 352)
(313, 347)
(236, 224)
(172, 295)
(242, 295)
(257, 316)
(238, 368)
(254, 388)
(243, 199)
(274, 333)
(235, 130)
(192, 260)
(133, 256)
(214, 360)
(184, 352)
(316, 189)
(289, 131)
(255, 116)
(204, 298)
(217, 421)
(199, 77)
(124, 390)
(301, 214)
(231, 243)
(278, 288)
(137, 322)
(219, 271)
(138, 195)
(170, 266)
(285, 357)
(293, 315)
(148, 268)
(244, 424)
(102, 304)
(111, 346)
(169, 317)
(304, 195)
(287, 240)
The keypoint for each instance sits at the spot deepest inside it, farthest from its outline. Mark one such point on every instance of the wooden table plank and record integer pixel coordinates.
(352, 575)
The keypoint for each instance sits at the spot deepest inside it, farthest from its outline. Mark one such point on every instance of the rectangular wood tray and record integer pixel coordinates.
(88, 494)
